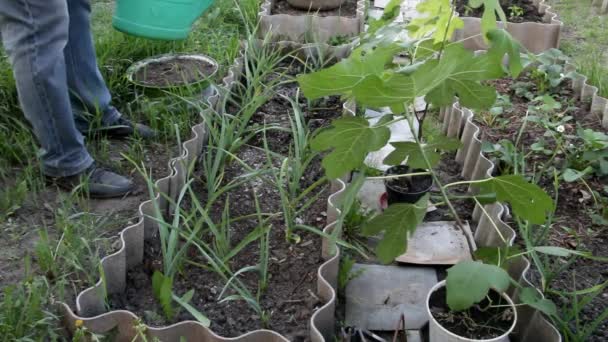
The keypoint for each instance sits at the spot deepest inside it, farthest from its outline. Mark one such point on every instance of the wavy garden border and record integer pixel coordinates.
(603, 4)
(535, 37)
(295, 28)
(91, 311)
(458, 122)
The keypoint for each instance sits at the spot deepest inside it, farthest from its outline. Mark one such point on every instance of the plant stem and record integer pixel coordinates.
(479, 181)
(443, 191)
(492, 221)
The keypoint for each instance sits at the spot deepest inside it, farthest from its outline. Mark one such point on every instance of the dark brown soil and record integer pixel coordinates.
(448, 172)
(573, 226)
(478, 322)
(290, 298)
(174, 72)
(530, 10)
(348, 9)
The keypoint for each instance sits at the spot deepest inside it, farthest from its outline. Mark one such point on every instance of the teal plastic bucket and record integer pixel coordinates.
(158, 19)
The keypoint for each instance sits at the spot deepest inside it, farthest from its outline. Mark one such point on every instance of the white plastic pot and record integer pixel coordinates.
(438, 333)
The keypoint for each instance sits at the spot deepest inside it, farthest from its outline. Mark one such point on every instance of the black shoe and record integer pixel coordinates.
(99, 182)
(123, 128)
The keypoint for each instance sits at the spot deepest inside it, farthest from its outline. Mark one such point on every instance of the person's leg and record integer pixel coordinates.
(89, 93)
(34, 34)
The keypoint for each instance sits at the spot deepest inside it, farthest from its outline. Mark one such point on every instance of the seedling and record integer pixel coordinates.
(494, 116)
(515, 12)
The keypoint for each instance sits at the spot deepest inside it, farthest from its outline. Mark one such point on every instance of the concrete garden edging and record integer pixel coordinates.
(535, 37)
(297, 28)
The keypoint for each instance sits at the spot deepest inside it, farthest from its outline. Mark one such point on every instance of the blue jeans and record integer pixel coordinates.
(51, 51)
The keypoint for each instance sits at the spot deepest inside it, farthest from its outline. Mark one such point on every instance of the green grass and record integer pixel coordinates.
(585, 39)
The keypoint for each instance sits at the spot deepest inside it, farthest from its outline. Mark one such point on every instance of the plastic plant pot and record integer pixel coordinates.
(184, 89)
(437, 333)
(396, 193)
(158, 19)
(316, 5)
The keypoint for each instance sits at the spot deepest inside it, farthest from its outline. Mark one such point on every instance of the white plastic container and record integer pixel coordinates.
(438, 333)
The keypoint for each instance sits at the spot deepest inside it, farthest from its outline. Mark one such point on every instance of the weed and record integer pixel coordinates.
(590, 150)
(11, 199)
(569, 317)
(494, 116)
(24, 313)
(515, 12)
(346, 274)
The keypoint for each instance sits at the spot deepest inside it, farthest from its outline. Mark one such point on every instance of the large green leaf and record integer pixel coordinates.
(350, 140)
(374, 91)
(457, 74)
(391, 11)
(492, 9)
(413, 152)
(528, 200)
(341, 78)
(532, 297)
(502, 43)
(470, 93)
(435, 17)
(469, 282)
(397, 222)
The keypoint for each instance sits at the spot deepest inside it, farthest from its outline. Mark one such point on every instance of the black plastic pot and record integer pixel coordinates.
(406, 189)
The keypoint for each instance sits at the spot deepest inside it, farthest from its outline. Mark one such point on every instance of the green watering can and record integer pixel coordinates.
(158, 19)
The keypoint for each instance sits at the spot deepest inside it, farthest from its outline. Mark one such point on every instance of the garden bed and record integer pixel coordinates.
(553, 140)
(579, 223)
(290, 298)
(539, 34)
(517, 11)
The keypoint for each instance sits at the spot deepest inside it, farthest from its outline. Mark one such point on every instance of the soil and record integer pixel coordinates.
(531, 13)
(573, 226)
(448, 171)
(290, 298)
(348, 9)
(174, 72)
(478, 322)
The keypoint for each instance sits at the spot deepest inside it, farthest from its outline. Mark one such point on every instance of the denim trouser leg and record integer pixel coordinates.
(35, 33)
(89, 93)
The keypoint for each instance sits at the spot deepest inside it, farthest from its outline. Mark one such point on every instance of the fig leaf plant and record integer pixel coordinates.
(438, 69)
